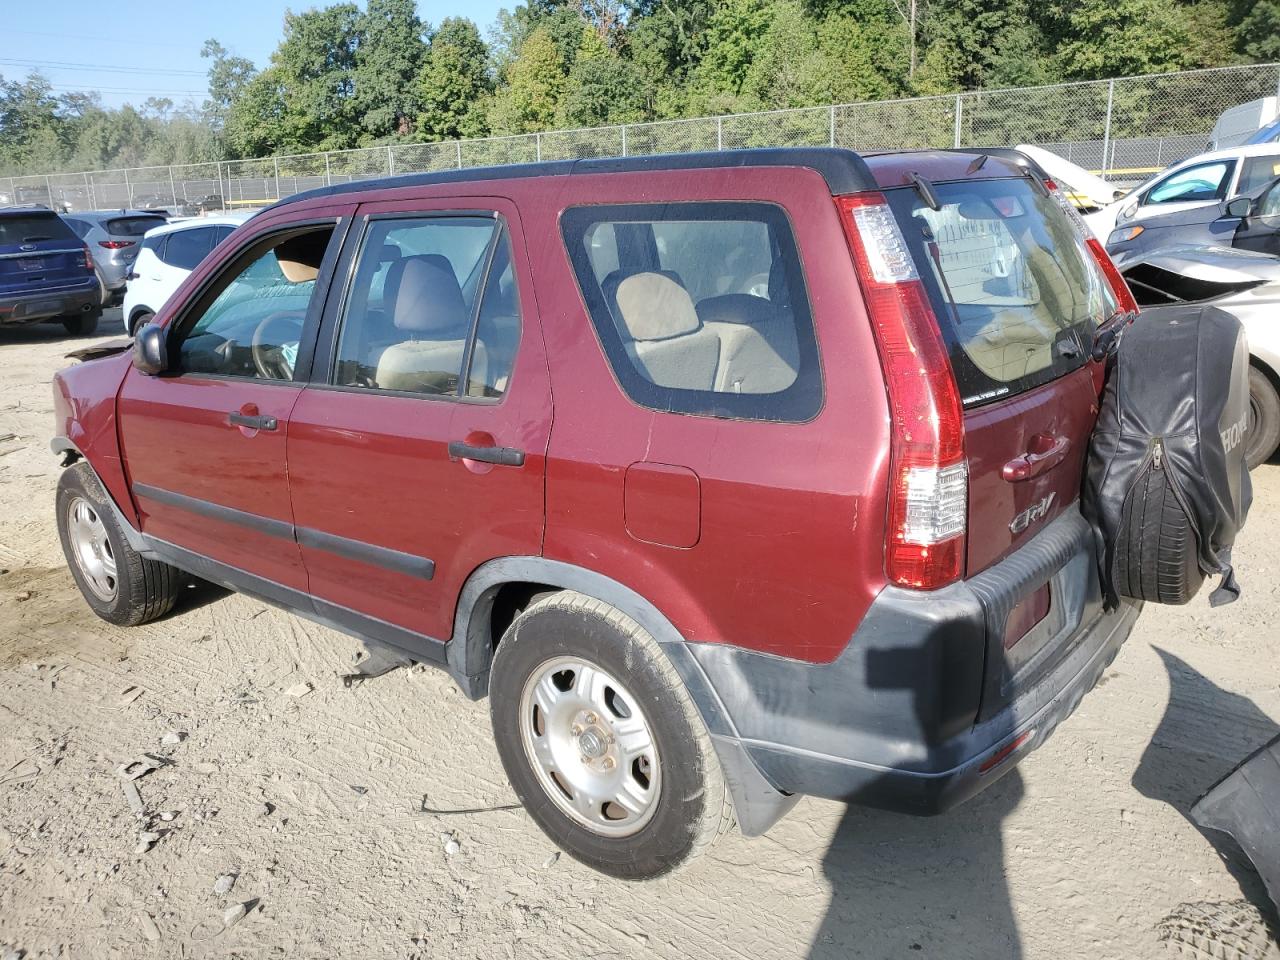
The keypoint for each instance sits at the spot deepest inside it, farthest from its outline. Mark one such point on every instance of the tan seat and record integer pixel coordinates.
(758, 348)
(429, 311)
(663, 336)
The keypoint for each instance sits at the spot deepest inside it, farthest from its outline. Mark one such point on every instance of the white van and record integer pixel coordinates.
(1236, 125)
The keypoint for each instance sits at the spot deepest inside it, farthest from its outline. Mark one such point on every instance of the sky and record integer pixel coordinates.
(129, 50)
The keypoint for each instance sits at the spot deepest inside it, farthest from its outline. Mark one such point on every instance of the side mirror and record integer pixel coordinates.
(1239, 207)
(150, 350)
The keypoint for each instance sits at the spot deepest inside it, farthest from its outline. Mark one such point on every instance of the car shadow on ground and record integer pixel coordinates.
(935, 886)
(904, 884)
(1205, 733)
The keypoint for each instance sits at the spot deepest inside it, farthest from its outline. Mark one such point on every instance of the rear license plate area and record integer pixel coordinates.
(31, 264)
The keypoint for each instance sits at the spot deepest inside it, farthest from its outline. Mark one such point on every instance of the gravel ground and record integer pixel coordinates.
(375, 820)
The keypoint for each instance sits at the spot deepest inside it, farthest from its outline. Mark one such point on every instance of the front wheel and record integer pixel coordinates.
(1264, 419)
(141, 320)
(601, 741)
(119, 584)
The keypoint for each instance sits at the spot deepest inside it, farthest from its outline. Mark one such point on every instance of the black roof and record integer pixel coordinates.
(844, 170)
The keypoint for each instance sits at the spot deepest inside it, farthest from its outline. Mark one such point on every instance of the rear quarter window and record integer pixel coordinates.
(701, 308)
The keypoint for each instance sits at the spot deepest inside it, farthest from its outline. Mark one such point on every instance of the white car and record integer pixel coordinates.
(168, 255)
(1200, 181)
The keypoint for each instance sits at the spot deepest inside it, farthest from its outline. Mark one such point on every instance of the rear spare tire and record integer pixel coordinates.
(602, 742)
(1157, 557)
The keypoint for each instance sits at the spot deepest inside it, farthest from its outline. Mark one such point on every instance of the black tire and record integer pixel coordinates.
(82, 324)
(1235, 930)
(1264, 419)
(143, 589)
(1157, 557)
(141, 319)
(690, 808)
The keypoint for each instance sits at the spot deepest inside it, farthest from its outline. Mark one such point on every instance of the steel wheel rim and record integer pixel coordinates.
(590, 746)
(91, 549)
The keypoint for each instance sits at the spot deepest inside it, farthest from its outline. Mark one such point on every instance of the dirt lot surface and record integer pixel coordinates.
(314, 803)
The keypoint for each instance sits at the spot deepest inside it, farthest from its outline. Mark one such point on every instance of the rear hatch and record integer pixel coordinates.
(1018, 297)
(38, 251)
(125, 235)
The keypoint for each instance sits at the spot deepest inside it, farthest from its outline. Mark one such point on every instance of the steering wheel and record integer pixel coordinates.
(276, 329)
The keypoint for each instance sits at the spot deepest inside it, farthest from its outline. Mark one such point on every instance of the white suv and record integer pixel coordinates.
(168, 255)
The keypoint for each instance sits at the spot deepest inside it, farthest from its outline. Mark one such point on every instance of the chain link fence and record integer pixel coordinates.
(1125, 129)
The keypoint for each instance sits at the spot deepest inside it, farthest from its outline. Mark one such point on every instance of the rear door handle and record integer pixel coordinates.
(1046, 453)
(252, 422)
(503, 456)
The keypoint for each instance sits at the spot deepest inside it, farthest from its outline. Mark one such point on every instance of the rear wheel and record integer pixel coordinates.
(119, 584)
(1264, 419)
(82, 324)
(601, 741)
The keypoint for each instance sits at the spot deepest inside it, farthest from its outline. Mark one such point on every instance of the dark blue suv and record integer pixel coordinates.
(46, 272)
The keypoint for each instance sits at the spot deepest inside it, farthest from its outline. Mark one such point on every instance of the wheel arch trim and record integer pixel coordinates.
(757, 803)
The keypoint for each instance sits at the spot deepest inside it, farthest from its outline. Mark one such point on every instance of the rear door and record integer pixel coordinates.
(418, 450)
(204, 444)
(1018, 297)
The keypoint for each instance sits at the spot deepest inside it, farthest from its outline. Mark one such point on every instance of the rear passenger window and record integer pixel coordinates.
(186, 248)
(700, 307)
(432, 309)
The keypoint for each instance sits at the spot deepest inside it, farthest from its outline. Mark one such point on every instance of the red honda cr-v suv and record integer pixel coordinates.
(729, 477)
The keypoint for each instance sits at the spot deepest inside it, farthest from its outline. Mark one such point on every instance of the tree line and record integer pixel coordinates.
(345, 77)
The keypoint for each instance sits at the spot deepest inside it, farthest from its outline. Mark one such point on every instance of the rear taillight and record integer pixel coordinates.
(1124, 296)
(929, 481)
(88, 258)
(116, 244)
(1120, 289)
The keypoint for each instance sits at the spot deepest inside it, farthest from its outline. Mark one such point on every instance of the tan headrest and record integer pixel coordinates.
(427, 297)
(299, 257)
(736, 308)
(655, 307)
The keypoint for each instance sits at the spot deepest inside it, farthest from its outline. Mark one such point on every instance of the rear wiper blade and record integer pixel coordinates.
(35, 239)
(926, 191)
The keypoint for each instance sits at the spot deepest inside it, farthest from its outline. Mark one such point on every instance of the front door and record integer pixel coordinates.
(204, 444)
(1260, 230)
(417, 452)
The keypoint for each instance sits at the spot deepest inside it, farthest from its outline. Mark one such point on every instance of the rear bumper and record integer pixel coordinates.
(925, 695)
(80, 297)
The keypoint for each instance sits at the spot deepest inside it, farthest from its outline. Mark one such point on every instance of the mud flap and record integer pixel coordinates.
(1246, 805)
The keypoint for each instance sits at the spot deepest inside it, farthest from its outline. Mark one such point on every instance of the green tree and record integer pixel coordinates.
(454, 83)
(388, 62)
(602, 87)
(314, 68)
(535, 83)
(1115, 38)
(228, 77)
(1258, 32)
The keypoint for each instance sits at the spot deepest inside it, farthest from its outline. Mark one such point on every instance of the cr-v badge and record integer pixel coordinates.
(1033, 513)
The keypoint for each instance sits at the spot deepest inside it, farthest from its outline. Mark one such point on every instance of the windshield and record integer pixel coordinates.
(1016, 292)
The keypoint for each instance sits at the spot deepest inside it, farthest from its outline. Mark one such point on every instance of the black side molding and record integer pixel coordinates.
(216, 511)
(407, 563)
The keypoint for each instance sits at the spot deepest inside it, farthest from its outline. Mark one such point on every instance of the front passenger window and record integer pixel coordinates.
(431, 309)
(1207, 181)
(253, 326)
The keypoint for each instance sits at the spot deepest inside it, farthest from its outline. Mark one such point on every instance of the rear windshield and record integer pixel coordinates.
(34, 227)
(133, 226)
(1016, 292)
